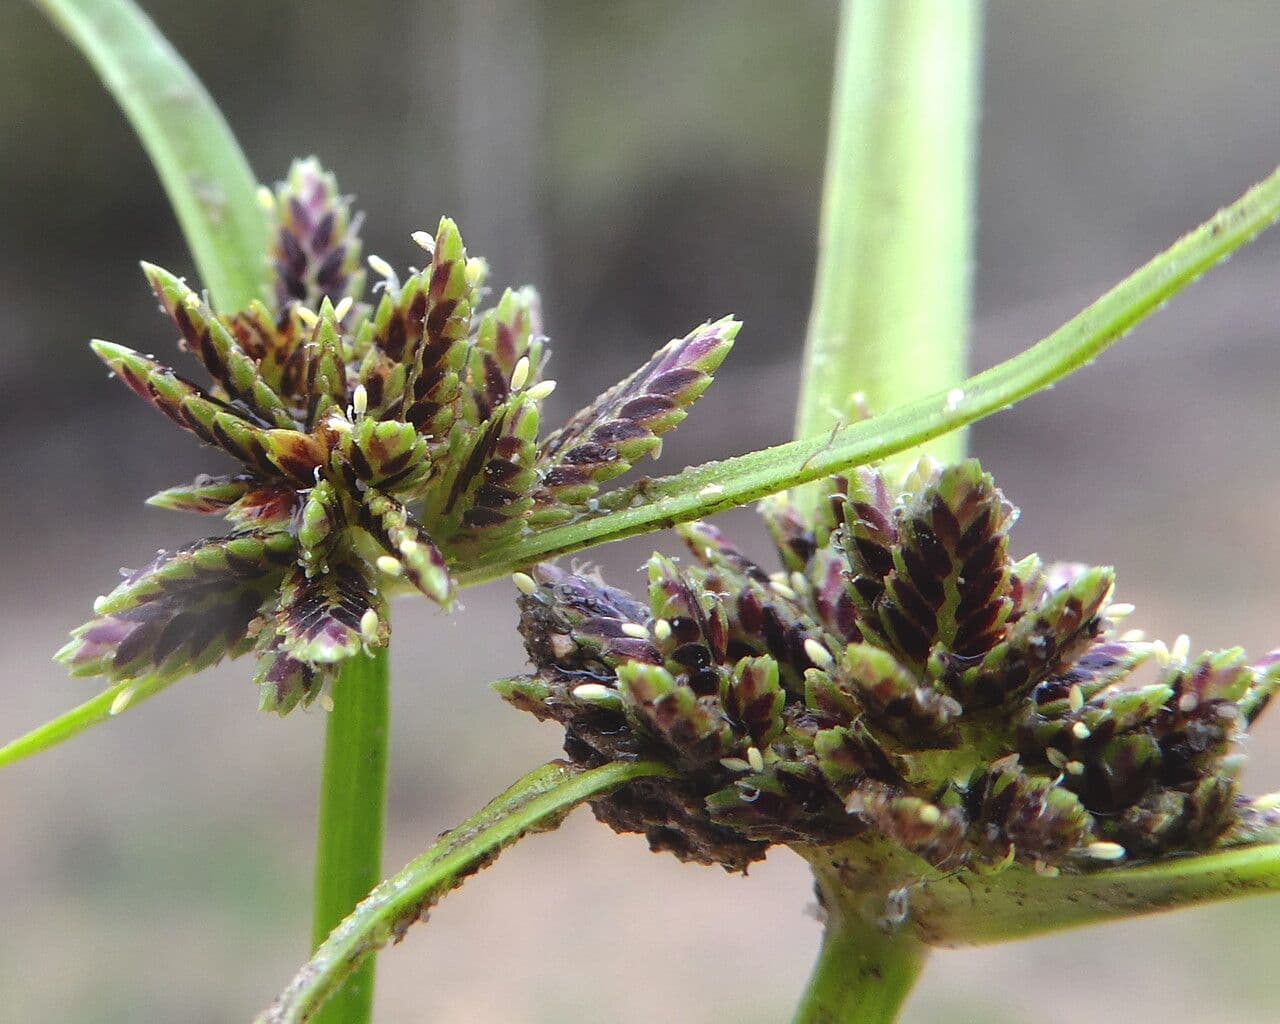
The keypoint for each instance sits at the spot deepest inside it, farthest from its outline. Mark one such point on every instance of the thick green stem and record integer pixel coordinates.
(891, 297)
(206, 176)
(864, 972)
(890, 323)
(352, 802)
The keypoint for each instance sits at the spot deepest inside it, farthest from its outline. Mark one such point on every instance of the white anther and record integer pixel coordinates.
(1075, 697)
(325, 701)
(369, 625)
(338, 422)
(782, 590)
(391, 566)
(593, 691)
(818, 654)
(524, 583)
(520, 375)
(308, 318)
(635, 631)
(360, 400)
(343, 307)
(662, 629)
(1075, 767)
(476, 270)
(541, 390)
(755, 759)
(1106, 851)
(1119, 610)
(426, 240)
(1187, 703)
(266, 199)
(381, 267)
(122, 700)
(99, 603)
(930, 815)
(1181, 648)
(1266, 802)
(1080, 731)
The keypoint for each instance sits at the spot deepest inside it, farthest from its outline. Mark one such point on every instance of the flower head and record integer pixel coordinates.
(379, 444)
(903, 677)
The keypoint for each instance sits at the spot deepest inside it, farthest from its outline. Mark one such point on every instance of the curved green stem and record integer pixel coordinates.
(891, 297)
(717, 486)
(207, 178)
(863, 973)
(110, 702)
(538, 802)
(349, 832)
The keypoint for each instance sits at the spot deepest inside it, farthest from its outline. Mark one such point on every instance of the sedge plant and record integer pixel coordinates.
(947, 732)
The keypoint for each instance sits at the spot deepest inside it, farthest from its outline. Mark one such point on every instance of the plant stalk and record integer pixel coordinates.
(889, 324)
(349, 831)
(864, 972)
(891, 297)
(208, 180)
(538, 802)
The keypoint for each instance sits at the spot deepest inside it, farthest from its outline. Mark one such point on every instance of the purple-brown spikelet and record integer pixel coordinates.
(379, 444)
(316, 250)
(903, 678)
(627, 422)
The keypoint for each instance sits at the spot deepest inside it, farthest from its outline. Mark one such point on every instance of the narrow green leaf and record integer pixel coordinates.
(110, 702)
(206, 176)
(716, 486)
(538, 802)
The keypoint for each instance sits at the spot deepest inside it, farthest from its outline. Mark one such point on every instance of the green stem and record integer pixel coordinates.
(206, 176)
(890, 324)
(352, 802)
(864, 972)
(891, 298)
(537, 802)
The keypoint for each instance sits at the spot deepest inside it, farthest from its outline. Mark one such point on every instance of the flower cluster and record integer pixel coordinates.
(380, 443)
(903, 676)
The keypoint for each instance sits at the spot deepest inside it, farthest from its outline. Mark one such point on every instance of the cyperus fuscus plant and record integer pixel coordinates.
(949, 735)
(379, 444)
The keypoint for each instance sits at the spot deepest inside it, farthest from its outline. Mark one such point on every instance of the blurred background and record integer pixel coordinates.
(648, 164)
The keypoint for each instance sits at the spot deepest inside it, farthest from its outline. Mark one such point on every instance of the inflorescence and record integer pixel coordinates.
(380, 444)
(901, 677)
